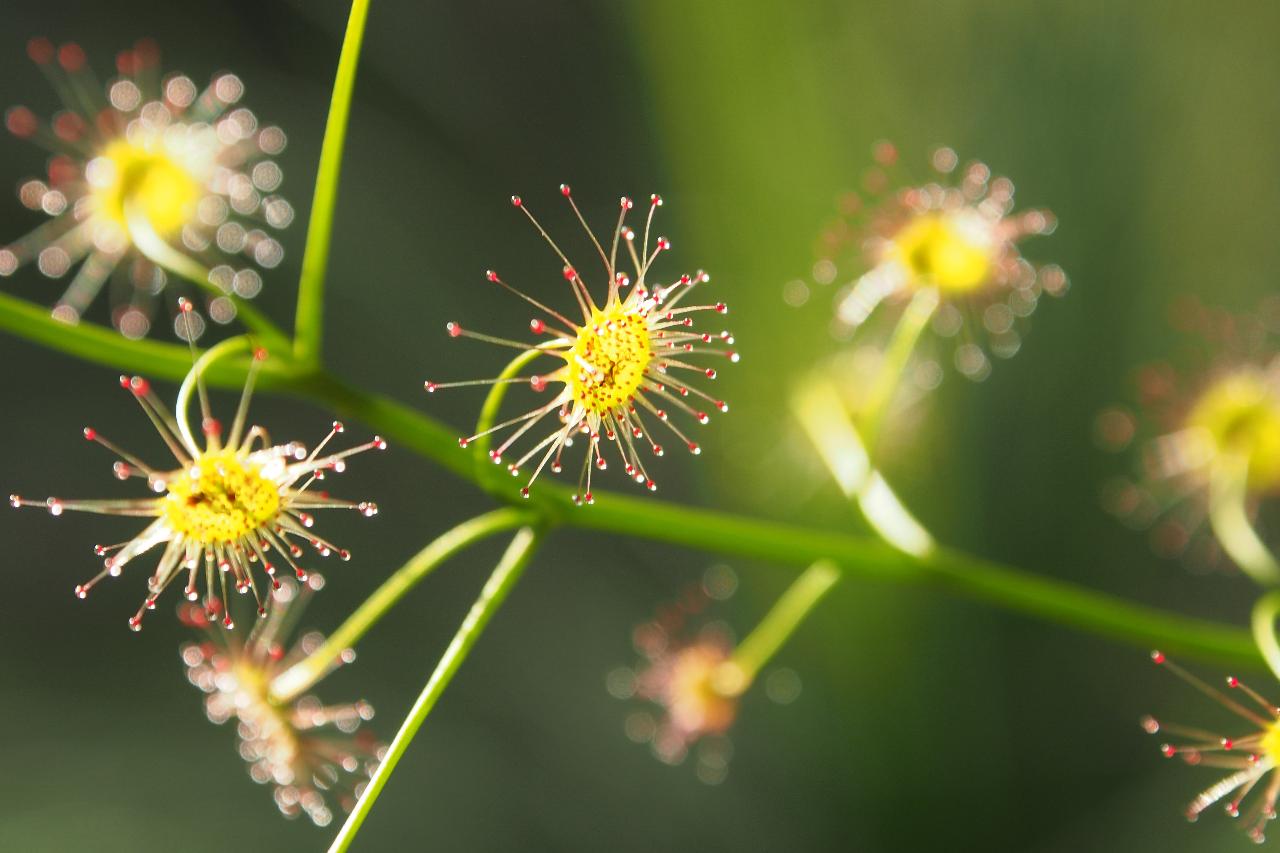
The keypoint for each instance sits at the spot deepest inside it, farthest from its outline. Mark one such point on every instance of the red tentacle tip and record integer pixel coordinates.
(655, 200)
(430, 386)
(90, 433)
(184, 305)
(379, 443)
(570, 273)
(139, 386)
(1232, 681)
(21, 122)
(491, 275)
(462, 442)
(40, 50)
(564, 190)
(515, 201)
(135, 623)
(664, 244)
(538, 383)
(524, 493)
(338, 427)
(71, 56)
(537, 326)
(625, 203)
(454, 329)
(1157, 657)
(260, 354)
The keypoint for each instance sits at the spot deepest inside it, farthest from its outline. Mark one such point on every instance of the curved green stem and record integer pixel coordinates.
(160, 253)
(495, 591)
(736, 674)
(915, 318)
(820, 410)
(309, 320)
(1228, 492)
(489, 409)
(306, 672)
(648, 518)
(192, 381)
(1263, 623)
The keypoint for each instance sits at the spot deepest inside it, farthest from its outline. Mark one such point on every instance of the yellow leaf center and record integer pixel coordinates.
(150, 182)
(1271, 743)
(951, 252)
(219, 499)
(1240, 414)
(695, 704)
(609, 359)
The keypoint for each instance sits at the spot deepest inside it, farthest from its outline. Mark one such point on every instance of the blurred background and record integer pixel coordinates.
(923, 722)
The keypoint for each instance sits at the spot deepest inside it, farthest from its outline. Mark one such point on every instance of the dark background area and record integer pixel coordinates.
(925, 723)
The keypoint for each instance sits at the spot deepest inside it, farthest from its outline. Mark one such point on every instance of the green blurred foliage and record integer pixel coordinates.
(1150, 128)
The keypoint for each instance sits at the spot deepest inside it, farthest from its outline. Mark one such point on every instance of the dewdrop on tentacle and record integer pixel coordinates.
(314, 756)
(155, 176)
(955, 237)
(1250, 757)
(623, 361)
(234, 501)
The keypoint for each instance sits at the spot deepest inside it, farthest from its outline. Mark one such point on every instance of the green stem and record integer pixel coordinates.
(489, 411)
(193, 379)
(100, 345)
(820, 410)
(160, 253)
(1263, 623)
(309, 320)
(491, 597)
(736, 674)
(912, 323)
(1228, 492)
(306, 672)
(648, 518)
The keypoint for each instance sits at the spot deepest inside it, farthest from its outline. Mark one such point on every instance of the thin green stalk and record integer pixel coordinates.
(1228, 491)
(648, 518)
(822, 414)
(489, 410)
(306, 672)
(737, 673)
(309, 320)
(912, 323)
(495, 591)
(154, 247)
(1263, 623)
(192, 381)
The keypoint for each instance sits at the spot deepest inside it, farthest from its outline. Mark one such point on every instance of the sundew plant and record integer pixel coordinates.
(708, 426)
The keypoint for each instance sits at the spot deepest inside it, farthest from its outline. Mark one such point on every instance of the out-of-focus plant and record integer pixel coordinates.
(937, 247)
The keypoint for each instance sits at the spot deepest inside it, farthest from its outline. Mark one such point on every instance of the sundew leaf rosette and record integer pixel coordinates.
(150, 176)
(234, 500)
(623, 362)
